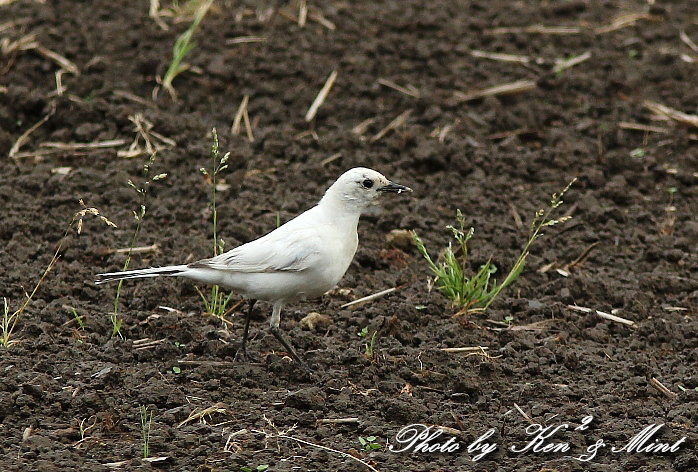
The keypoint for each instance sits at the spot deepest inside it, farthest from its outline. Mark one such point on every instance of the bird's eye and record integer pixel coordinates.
(368, 183)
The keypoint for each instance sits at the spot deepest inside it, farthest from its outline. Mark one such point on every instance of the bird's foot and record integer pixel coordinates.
(277, 334)
(246, 355)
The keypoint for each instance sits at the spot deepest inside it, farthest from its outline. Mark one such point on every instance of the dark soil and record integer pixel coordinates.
(629, 249)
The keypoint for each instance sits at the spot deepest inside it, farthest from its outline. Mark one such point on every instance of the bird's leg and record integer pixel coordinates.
(245, 334)
(274, 328)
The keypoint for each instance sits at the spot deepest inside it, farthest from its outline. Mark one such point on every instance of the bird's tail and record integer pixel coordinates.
(141, 273)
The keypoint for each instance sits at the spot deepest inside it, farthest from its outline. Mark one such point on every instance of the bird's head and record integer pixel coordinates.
(359, 186)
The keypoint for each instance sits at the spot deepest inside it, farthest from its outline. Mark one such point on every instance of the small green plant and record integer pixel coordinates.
(368, 347)
(9, 322)
(368, 443)
(509, 320)
(637, 153)
(183, 46)
(218, 302)
(81, 324)
(146, 422)
(476, 291)
(259, 468)
(683, 389)
(174, 370)
(116, 320)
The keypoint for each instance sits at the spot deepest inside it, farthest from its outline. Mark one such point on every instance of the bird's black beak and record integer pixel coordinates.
(395, 188)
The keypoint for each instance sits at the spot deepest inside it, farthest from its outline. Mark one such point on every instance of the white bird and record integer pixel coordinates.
(304, 258)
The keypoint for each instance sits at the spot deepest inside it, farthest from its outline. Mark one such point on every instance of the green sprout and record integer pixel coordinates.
(368, 347)
(183, 45)
(368, 443)
(637, 153)
(146, 422)
(77, 318)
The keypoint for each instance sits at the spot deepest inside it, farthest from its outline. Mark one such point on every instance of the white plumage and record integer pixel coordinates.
(303, 258)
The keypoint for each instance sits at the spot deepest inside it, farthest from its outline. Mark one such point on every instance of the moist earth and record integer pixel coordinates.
(71, 393)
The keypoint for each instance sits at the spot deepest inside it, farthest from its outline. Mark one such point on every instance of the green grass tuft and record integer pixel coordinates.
(479, 290)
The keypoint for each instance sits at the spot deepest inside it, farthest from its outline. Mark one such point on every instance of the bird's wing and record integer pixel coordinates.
(277, 251)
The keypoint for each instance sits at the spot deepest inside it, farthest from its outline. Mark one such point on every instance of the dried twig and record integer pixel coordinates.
(526, 417)
(397, 122)
(362, 127)
(79, 146)
(144, 130)
(133, 250)
(688, 41)
(668, 113)
(198, 414)
(322, 20)
(209, 363)
(366, 299)
(333, 157)
(441, 132)
(537, 29)
(465, 349)
(58, 59)
(240, 116)
(510, 133)
(134, 98)
(337, 420)
(535, 326)
(231, 446)
(11, 24)
(623, 21)
(564, 64)
(146, 343)
(641, 127)
(448, 430)
(515, 214)
(320, 99)
(511, 88)
(246, 39)
(25, 136)
(302, 13)
(155, 14)
(604, 315)
(319, 446)
(500, 57)
(582, 257)
(659, 386)
(408, 90)
(25, 43)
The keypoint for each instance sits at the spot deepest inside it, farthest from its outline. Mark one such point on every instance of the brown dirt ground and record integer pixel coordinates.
(630, 247)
